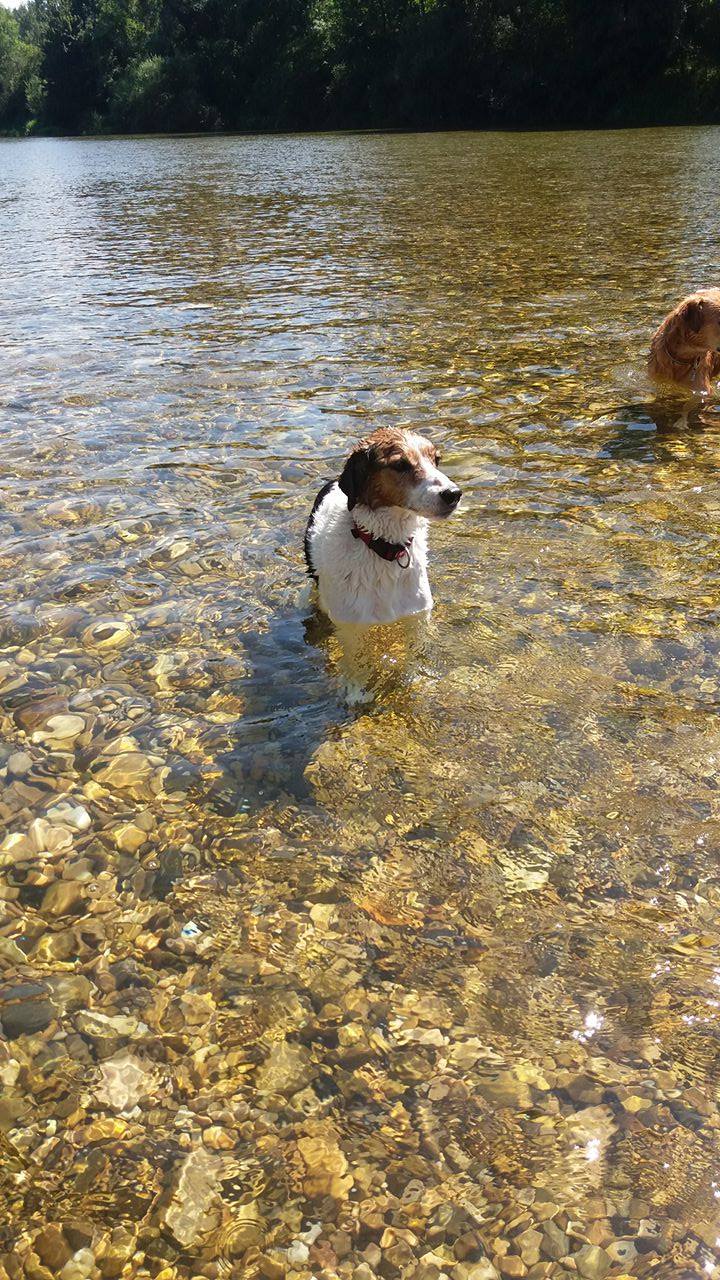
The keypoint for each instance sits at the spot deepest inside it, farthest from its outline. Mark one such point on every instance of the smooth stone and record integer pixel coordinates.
(80, 870)
(52, 1248)
(11, 952)
(126, 769)
(80, 1232)
(341, 1242)
(218, 1139)
(25, 1009)
(621, 1251)
(70, 992)
(592, 1262)
(71, 815)
(123, 1082)
(287, 1069)
(195, 1205)
(545, 1209)
(117, 1253)
(62, 727)
(107, 633)
(298, 1254)
(16, 848)
(469, 1247)
(130, 838)
(584, 1089)
(530, 1243)
(79, 1266)
(555, 1242)
(19, 763)
(34, 1269)
(505, 1089)
(105, 1028)
(47, 837)
(36, 714)
(648, 1227)
(270, 1267)
(426, 1271)
(62, 898)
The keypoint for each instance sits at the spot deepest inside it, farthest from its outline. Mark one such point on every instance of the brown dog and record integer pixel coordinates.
(685, 350)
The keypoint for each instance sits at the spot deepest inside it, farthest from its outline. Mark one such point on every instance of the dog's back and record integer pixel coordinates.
(307, 542)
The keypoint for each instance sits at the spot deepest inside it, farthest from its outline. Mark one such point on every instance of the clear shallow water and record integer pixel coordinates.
(268, 963)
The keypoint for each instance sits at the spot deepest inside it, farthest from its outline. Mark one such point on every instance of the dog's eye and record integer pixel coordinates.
(402, 464)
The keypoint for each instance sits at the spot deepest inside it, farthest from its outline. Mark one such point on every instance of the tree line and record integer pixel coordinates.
(87, 66)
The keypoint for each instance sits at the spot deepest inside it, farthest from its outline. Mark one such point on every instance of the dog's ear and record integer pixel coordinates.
(694, 315)
(355, 475)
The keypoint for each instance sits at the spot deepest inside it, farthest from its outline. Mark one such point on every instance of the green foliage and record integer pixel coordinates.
(176, 65)
(86, 44)
(161, 95)
(18, 60)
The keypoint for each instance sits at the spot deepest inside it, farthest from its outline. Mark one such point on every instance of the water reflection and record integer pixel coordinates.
(288, 989)
(657, 429)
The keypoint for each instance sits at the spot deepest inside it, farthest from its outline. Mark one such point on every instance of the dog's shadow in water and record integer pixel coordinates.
(293, 702)
(649, 431)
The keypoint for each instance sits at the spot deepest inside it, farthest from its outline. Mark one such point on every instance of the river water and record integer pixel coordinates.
(426, 988)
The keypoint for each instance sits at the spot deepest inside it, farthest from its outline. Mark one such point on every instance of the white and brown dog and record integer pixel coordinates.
(366, 539)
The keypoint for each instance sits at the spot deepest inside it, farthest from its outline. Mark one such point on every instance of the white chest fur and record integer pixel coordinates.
(355, 584)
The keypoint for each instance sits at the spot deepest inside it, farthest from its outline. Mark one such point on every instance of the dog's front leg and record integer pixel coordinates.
(354, 666)
(416, 633)
(416, 629)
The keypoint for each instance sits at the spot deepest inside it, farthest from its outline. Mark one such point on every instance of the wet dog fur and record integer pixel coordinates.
(389, 488)
(685, 349)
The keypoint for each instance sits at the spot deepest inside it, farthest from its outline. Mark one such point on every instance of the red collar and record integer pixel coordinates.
(397, 551)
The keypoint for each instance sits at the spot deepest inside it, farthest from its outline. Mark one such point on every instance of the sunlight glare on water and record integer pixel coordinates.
(439, 974)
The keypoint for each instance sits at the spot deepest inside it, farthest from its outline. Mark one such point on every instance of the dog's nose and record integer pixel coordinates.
(451, 496)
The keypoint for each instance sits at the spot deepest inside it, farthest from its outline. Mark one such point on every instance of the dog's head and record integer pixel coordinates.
(395, 468)
(699, 316)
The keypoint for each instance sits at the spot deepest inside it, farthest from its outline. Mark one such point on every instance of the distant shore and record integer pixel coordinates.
(290, 130)
(193, 66)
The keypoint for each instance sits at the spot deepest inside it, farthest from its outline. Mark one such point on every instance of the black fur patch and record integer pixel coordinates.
(317, 503)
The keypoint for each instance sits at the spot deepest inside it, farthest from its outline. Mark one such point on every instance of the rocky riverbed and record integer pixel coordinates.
(290, 1041)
